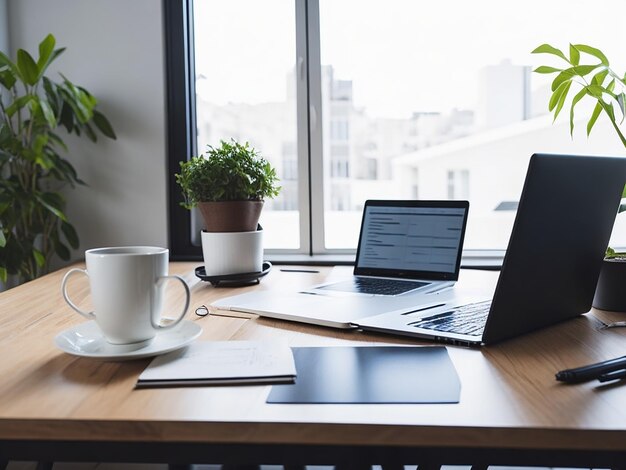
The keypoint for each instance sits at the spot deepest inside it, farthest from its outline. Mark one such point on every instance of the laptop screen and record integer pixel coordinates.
(412, 239)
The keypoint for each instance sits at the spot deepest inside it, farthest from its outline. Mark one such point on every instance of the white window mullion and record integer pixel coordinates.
(302, 96)
(315, 128)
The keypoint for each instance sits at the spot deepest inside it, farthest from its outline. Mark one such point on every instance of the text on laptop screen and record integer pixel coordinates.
(411, 238)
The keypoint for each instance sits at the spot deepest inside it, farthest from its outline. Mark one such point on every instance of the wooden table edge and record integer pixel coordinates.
(289, 433)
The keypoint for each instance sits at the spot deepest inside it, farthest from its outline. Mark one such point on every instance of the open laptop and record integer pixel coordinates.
(405, 246)
(562, 228)
(409, 253)
(549, 273)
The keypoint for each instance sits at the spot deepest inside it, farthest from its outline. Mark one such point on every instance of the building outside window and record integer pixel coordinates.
(371, 101)
(458, 184)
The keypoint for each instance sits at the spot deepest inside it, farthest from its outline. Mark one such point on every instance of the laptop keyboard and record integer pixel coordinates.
(467, 319)
(376, 286)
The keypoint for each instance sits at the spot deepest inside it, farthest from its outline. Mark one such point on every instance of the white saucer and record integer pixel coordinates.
(86, 340)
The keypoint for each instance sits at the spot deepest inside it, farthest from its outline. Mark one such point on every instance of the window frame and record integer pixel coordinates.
(182, 143)
(180, 101)
(181, 138)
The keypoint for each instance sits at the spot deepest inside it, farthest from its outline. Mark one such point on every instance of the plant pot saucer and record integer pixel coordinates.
(234, 280)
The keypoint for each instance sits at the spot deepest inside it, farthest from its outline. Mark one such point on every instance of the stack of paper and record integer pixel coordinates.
(222, 362)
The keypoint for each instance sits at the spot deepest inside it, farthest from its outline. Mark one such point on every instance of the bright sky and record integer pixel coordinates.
(402, 55)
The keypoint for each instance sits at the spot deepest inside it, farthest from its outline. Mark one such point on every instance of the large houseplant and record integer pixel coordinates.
(33, 224)
(228, 184)
(598, 82)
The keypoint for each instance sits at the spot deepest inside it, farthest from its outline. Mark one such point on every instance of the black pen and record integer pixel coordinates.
(616, 374)
(591, 371)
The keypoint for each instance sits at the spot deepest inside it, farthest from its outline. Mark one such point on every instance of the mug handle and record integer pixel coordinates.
(88, 315)
(157, 326)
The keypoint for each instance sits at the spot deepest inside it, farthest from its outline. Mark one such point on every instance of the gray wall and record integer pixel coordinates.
(115, 50)
(4, 31)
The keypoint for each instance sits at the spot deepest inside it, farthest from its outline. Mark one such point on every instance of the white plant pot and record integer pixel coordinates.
(232, 252)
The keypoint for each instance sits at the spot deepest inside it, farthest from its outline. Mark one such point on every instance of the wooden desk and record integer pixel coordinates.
(54, 406)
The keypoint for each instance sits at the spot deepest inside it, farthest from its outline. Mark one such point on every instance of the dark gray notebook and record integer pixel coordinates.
(379, 374)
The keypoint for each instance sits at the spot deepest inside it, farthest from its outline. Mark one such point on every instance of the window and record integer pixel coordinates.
(357, 100)
(458, 184)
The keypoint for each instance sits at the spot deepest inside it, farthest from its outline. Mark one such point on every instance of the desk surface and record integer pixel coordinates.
(509, 397)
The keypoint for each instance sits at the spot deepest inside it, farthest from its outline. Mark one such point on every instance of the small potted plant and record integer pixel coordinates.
(601, 84)
(229, 184)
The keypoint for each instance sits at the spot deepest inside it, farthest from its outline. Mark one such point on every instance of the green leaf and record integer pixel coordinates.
(86, 98)
(69, 172)
(548, 49)
(51, 202)
(594, 117)
(57, 140)
(3, 274)
(27, 67)
(90, 133)
(71, 98)
(564, 76)
(562, 99)
(5, 61)
(583, 70)
(595, 91)
(568, 74)
(46, 48)
(611, 86)
(57, 53)
(18, 104)
(621, 101)
(7, 79)
(598, 79)
(576, 99)
(610, 111)
(574, 55)
(546, 69)
(593, 51)
(40, 259)
(556, 96)
(51, 95)
(102, 123)
(47, 112)
(67, 118)
(40, 141)
(70, 234)
(62, 251)
(3, 240)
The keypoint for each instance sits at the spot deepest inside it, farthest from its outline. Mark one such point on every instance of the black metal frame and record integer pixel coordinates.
(200, 453)
(181, 119)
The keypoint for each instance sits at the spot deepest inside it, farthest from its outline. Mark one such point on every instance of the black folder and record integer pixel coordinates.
(379, 374)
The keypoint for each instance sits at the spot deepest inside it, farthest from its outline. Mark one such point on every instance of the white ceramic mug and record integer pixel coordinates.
(127, 286)
(227, 253)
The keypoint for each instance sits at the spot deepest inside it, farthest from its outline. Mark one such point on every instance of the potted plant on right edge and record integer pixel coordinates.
(229, 185)
(600, 83)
